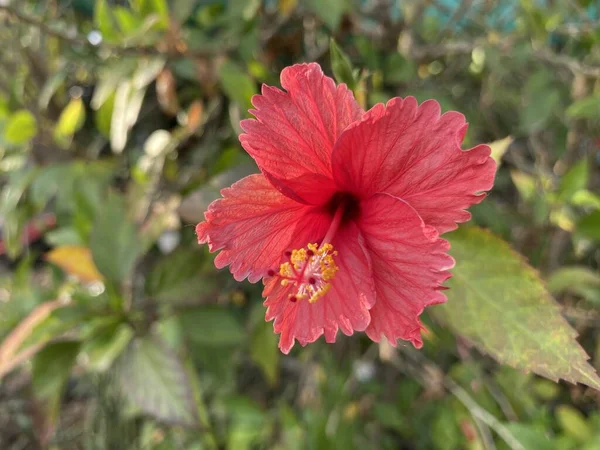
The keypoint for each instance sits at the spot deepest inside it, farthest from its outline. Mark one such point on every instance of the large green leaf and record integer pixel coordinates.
(154, 379)
(114, 241)
(498, 302)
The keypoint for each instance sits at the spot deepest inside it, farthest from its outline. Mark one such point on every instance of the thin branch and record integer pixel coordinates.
(434, 51)
(77, 40)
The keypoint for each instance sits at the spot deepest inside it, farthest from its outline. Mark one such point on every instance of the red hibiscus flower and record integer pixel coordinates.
(343, 223)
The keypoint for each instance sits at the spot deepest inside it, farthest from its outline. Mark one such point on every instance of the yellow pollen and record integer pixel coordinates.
(309, 270)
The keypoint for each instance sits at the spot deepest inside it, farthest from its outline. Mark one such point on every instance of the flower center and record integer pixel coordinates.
(309, 271)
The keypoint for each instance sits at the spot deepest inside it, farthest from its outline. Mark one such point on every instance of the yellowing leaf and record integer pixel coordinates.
(75, 260)
(286, 7)
(498, 302)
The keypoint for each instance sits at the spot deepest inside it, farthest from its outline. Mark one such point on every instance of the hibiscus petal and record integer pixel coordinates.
(345, 307)
(295, 131)
(409, 263)
(254, 224)
(414, 153)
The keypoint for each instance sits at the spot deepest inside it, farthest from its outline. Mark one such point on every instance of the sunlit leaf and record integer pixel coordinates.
(70, 121)
(155, 7)
(499, 148)
(105, 21)
(341, 65)
(20, 128)
(499, 303)
(154, 379)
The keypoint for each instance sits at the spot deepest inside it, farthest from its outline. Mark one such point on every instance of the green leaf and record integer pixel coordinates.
(155, 7)
(104, 20)
(20, 128)
(541, 101)
(103, 116)
(586, 108)
(238, 86)
(498, 301)
(341, 66)
(179, 276)
(397, 69)
(183, 9)
(330, 12)
(129, 23)
(50, 88)
(49, 376)
(154, 379)
(573, 423)
(247, 423)
(581, 281)
(589, 226)
(114, 241)
(264, 351)
(106, 345)
(586, 199)
(573, 181)
(212, 326)
(531, 437)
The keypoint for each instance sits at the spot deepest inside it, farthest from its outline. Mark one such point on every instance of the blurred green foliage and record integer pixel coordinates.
(118, 126)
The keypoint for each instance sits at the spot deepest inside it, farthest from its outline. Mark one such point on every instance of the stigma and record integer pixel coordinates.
(308, 272)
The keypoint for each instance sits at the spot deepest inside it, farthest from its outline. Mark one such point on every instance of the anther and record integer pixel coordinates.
(308, 272)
